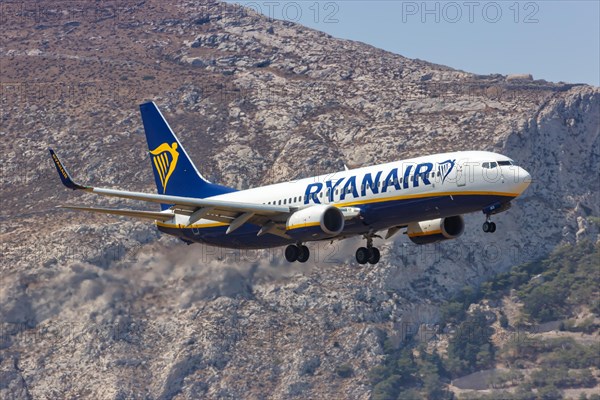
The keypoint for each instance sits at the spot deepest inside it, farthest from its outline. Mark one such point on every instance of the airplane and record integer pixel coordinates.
(425, 197)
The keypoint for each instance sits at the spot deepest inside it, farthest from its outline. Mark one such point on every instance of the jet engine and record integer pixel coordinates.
(315, 222)
(436, 230)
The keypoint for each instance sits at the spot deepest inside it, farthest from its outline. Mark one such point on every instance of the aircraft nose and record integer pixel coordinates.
(523, 179)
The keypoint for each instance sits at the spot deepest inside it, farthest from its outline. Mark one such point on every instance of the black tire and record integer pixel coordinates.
(375, 255)
(486, 227)
(303, 254)
(492, 227)
(362, 255)
(291, 253)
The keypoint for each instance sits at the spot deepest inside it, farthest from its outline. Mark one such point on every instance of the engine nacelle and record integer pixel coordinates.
(315, 222)
(436, 230)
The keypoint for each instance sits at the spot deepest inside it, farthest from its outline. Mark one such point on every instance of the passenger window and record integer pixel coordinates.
(279, 202)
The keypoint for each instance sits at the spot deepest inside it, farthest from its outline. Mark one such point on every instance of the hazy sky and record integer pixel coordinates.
(552, 40)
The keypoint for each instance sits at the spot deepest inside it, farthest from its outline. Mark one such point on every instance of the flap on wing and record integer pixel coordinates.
(154, 215)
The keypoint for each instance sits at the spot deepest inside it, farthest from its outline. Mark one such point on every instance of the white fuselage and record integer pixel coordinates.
(386, 195)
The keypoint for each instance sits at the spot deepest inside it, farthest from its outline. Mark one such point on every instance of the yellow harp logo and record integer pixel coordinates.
(164, 158)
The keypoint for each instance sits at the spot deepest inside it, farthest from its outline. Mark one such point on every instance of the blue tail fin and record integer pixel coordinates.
(174, 172)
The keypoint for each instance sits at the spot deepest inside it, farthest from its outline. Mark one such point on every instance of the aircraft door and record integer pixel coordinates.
(461, 174)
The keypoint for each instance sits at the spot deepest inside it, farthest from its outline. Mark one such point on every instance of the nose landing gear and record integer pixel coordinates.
(496, 208)
(489, 226)
(368, 254)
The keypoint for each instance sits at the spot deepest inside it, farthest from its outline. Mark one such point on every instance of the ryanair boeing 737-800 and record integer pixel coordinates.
(424, 196)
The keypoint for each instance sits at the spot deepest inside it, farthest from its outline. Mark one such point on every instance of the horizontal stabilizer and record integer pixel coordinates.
(154, 215)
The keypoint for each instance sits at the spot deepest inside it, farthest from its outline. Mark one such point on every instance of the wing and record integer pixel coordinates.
(153, 215)
(236, 214)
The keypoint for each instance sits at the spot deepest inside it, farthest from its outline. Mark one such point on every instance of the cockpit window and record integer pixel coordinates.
(504, 163)
(489, 165)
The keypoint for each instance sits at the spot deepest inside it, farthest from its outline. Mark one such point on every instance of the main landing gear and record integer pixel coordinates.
(368, 254)
(489, 226)
(297, 252)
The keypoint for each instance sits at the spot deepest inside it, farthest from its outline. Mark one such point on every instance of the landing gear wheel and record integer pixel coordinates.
(303, 254)
(489, 227)
(291, 253)
(362, 255)
(486, 226)
(374, 255)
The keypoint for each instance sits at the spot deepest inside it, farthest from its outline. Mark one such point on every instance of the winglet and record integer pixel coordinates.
(64, 174)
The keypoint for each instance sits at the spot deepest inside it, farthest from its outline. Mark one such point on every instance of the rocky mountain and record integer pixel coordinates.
(104, 307)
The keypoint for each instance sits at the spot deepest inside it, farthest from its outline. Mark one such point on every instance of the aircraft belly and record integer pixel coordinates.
(243, 238)
(401, 212)
(375, 217)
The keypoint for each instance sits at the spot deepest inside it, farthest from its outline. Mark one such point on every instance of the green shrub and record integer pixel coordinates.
(471, 345)
(452, 312)
(387, 389)
(410, 394)
(344, 370)
(503, 320)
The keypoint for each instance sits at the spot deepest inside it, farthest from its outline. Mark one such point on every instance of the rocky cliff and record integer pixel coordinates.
(103, 307)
